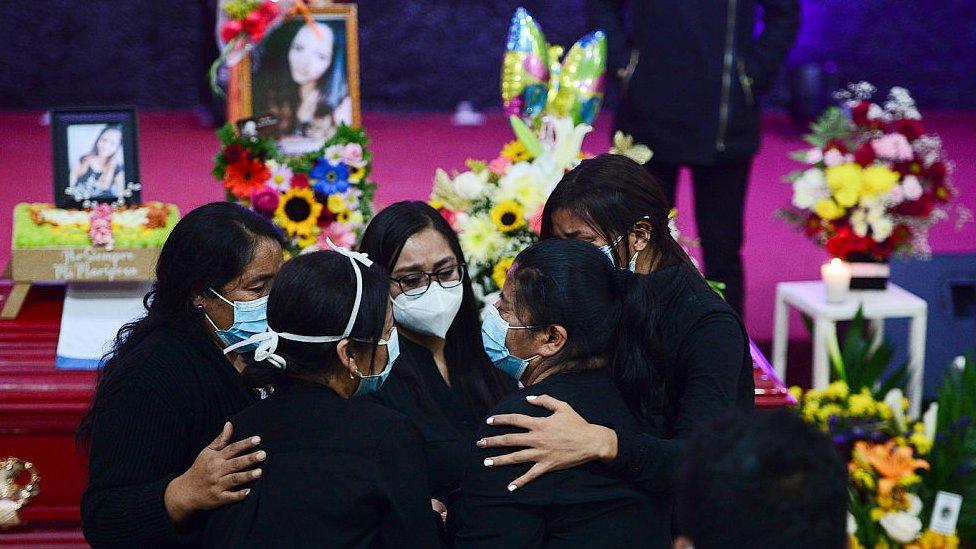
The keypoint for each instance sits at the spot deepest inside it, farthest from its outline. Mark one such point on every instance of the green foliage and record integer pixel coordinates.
(477, 166)
(953, 457)
(832, 124)
(861, 363)
(239, 9)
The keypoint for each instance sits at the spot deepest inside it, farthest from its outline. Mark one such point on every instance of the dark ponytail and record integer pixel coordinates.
(611, 193)
(208, 248)
(605, 311)
(313, 295)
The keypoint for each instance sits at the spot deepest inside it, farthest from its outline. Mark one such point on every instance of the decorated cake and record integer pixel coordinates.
(41, 225)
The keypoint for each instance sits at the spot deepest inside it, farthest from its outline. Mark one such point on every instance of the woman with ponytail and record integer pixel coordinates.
(158, 441)
(566, 325)
(345, 472)
(703, 360)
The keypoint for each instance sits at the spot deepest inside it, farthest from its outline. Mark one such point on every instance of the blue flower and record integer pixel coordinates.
(328, 179)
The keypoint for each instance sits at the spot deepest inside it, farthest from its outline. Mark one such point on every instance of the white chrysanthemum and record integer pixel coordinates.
(525, 184)
(480, 239)
(881, 228)
(470, 185)
(901, 527)
(911, 187)
(809, 188)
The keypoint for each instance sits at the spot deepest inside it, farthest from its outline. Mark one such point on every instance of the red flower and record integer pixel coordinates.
(230, 30)
(269, 10)
(233, 153)
(865, 155)
(859, 113)
(812, 227)
(918, 208)
(265, 200)
(936, 172)
(326, 218)
(254, 24)
(245, 176)
(300, 180)
(835, 144)
(911, 129)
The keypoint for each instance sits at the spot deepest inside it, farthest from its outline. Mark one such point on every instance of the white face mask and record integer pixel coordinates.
(431, 312)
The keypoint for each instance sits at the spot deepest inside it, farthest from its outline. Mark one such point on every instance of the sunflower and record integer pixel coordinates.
(516, 152)
(245, 176)
(508, 216)
(298, 212)
(500, 271)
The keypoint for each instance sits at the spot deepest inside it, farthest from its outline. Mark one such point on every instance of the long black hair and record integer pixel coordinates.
(480, 382)
(209, 247)
(605, 311)
(301, 304)
(611, 193)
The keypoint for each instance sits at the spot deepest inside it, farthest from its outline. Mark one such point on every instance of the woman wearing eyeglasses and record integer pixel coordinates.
(443, 381)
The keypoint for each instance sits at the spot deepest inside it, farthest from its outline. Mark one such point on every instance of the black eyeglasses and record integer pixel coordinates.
(415, 284)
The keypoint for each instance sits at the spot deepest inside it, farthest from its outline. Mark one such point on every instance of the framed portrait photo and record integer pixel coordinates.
(96, 156)
(306, 75)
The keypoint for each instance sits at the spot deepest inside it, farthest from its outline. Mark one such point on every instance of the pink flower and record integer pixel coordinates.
(911, 187)
(499, 166)
(352, 155)
(814, 156)
(100, 225)
(265, 200)
(834, 157)
(893, 146)
(340, 234)
(535, 220)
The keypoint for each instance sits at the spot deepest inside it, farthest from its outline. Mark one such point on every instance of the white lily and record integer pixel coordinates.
(562, 141)
(930, 419)
(894, 400)
(901, 527)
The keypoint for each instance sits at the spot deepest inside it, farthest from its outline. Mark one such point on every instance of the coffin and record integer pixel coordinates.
(40, 408)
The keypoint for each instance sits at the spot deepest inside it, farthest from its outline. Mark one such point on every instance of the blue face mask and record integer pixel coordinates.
(493, 333)
(607, 250)
(250, 318)
(371, 384)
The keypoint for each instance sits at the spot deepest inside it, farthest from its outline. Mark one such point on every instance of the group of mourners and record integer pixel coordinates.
(361, 398)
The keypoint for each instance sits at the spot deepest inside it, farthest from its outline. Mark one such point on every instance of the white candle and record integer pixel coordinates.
(836, 276)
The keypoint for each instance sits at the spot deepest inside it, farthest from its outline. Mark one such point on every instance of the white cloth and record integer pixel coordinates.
(92, 315)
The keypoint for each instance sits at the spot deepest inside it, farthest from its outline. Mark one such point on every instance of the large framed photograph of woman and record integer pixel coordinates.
(306, 74)
(96, 157)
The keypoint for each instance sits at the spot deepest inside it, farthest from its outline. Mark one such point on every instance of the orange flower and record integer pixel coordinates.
(245, 176)
(891, 461)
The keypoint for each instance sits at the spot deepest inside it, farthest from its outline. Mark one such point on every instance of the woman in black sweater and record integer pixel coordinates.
(444, 382)
(343, 471)
(167, 390)
(701, 345)
(566, 324)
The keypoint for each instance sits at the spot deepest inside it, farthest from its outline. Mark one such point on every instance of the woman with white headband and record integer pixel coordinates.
(345, 471)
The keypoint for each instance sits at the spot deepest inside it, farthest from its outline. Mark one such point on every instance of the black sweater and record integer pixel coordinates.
(586, 506)
(707, 369)
(163, 404)
(339, 473)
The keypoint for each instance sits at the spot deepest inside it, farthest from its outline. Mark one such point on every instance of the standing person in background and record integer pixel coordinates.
(690, 72)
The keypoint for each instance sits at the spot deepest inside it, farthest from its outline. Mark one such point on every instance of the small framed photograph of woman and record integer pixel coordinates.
(306, 74)
(96, 157)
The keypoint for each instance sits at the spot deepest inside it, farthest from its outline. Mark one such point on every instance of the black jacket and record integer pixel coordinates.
(339, 473)
(692, 96)
(163, 404)
(586, 506)
(707, 372)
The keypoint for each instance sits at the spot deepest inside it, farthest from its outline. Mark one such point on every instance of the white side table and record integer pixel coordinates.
(811, 299)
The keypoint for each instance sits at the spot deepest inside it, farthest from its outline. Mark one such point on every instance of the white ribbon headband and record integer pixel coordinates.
(268, 341)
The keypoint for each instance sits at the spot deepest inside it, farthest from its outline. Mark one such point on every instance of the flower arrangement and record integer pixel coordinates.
(105, 225)
(325, 194)
(897, 464)
(874, 180)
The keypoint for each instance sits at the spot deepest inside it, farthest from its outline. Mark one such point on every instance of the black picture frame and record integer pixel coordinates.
(71, 132)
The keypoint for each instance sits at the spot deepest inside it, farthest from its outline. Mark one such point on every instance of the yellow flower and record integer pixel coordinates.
(298, 212)
(516, 151)
(500, 272)
(861, 404)
(796, 392)
(918, 439)
(829, 410)
(934, 540)
(877, 513)
(863, 479)
(343, 217)
(480, 239)
(844, 182)
(837, 390)
(853, 543)
(884, 411)
(305, 241)
(357, 174)
(508, 216)
(336, 203)
(436, 204)
(827, 209)
(878, 180)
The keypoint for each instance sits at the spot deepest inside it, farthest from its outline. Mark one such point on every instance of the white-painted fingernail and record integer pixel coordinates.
(248, 491)
(489, 463)
(530, 398)
(255, 440)
(262, 455)
(482, 443)
(512, 487)
(490, 420)
(256, 473)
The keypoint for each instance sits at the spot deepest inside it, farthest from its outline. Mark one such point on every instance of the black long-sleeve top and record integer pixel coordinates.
(339, 473)
(585, 506)
(707, 369)
(167, 399)
(444, 417)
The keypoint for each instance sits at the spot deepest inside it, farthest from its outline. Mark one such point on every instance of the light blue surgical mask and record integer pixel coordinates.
(371, 384)
(250, 318)
(607, 250)
(494, 329)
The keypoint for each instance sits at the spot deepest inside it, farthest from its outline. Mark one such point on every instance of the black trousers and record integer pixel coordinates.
(720, 197)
